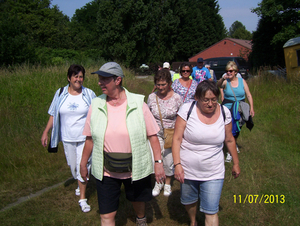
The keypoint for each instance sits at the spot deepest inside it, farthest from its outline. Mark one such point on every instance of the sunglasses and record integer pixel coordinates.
(185, 71)
(230, 71)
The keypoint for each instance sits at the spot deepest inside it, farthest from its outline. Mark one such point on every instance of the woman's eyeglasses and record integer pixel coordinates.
(185, 71)
(230, 71)
(206, 101)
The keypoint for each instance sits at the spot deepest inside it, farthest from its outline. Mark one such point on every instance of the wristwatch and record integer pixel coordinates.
(158, 161)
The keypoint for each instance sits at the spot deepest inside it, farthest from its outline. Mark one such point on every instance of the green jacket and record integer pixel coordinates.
(141, 156)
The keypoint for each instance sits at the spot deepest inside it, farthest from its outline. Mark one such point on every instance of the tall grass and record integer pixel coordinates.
(269, 157)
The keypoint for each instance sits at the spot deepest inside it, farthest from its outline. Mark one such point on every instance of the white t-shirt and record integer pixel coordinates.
(73, 113)
(238, 75)
(201, 151)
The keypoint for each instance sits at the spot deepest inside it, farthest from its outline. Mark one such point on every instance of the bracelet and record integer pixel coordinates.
(177, 164)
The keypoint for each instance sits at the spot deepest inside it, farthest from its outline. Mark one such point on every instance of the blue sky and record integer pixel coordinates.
(231, 10)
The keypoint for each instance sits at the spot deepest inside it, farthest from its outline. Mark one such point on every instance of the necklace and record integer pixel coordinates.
(117, 101)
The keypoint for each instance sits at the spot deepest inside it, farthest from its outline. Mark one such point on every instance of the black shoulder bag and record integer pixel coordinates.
(55, 149)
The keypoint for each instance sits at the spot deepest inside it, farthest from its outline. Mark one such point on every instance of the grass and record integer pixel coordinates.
(269, 157)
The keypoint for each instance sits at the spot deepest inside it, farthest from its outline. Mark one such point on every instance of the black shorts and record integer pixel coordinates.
(109, 191)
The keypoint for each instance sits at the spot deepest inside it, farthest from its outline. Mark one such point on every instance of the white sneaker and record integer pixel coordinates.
(77, 191)
(228, 158)
(156, 189)
(237, 149)
(141, 221)
(85, 207)
(167, 190)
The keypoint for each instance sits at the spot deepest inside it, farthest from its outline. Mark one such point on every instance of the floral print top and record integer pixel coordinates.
(181, 90)
(168, 109)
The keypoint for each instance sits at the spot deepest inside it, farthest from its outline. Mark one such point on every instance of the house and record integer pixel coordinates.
(228, 47)
(292, 57)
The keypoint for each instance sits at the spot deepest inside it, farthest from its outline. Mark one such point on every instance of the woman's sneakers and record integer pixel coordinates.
(237, 149)
(141, 221)
(167, 190)
(228, 158)
(77, 191)
(157, 188)
(84, 206)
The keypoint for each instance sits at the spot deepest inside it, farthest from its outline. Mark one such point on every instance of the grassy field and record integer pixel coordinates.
(266, 193)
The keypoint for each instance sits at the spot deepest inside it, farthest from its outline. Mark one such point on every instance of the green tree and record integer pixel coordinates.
(15, 46)
(279, 21)
(239, 31)
(83, 27)
(28, 23)
(137, 31)
(200, 27)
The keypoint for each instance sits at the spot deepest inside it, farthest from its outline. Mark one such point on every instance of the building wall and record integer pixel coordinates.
(291, 60)
(225, 48)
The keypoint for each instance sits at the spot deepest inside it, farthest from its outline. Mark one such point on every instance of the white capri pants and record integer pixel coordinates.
(73, 152)
(167, 158)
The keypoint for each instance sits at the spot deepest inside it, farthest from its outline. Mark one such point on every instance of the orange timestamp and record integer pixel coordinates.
(264, 198)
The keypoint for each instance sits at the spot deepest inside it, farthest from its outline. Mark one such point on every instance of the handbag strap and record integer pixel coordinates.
(187, 90)
(232, 91)
(190, 110)
(162, 125)
(223, 112)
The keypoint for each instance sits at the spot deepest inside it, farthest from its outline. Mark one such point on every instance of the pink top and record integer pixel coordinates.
(116, 138)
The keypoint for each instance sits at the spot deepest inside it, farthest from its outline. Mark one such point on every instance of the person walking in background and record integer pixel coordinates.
(238, 75)
(200, 73)
(212, 73)
(118, 127)
(201, 128)
(185, 86)
(231, 83)
(68, 112)
(166, 65)
(164, 104)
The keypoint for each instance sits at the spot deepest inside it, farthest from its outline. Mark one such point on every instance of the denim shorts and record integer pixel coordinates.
(209, 193)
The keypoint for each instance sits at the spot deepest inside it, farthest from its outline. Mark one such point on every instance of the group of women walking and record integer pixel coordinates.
(126, 140)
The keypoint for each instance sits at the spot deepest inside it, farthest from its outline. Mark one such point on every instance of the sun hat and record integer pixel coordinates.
(200, 60)
(110, 69)
(166, 65)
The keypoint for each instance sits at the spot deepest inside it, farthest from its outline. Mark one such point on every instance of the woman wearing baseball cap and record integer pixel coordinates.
(118, 127)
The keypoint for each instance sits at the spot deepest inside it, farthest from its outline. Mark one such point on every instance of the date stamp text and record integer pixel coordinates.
(260, 199)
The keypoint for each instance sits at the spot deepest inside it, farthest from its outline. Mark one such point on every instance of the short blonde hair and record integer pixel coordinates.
(231, 64)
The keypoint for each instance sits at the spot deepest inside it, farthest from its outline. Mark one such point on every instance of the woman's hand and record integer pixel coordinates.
(86, 153)
(160, 175)
(236, 170)
(44, 139)
(179, 173)
(84, 173)
(252, 112)
(49, 126)
(159, 171)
